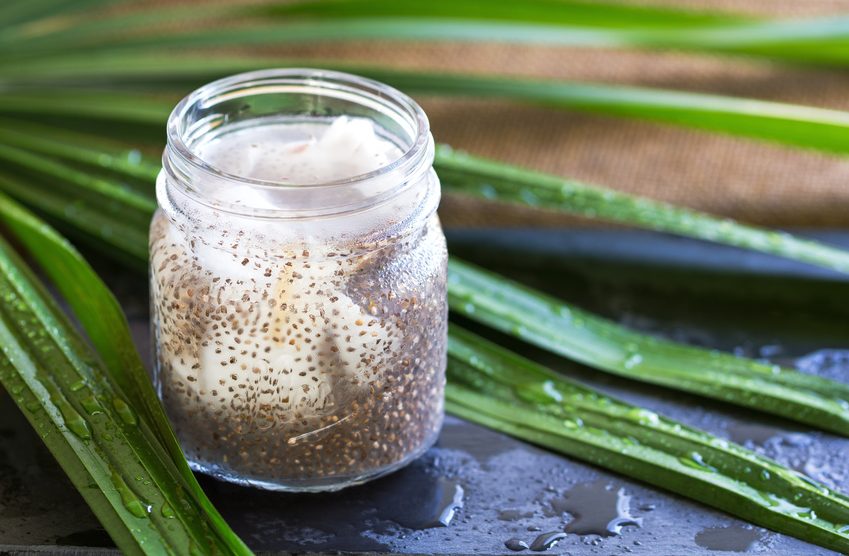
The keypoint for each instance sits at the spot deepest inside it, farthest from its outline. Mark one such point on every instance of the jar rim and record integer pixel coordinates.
(181, 160)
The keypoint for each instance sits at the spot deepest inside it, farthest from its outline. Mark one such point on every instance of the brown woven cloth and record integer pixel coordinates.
(744, 179)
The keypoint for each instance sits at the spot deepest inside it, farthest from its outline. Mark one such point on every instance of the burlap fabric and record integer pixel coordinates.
(743, 179)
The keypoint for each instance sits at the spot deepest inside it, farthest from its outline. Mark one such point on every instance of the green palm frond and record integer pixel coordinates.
(96, 408)
(607, 24)
(48, 90)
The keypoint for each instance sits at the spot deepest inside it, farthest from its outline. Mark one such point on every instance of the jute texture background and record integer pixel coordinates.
(744, 179)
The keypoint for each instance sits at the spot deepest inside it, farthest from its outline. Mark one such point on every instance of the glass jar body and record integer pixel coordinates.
(300, 353)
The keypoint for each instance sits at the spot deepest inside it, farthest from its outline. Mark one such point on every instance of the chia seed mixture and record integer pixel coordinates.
(298, 364)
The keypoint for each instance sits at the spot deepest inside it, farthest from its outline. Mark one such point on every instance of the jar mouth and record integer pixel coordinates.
(196, 114)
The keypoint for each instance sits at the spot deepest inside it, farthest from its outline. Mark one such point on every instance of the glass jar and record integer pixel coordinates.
(298, 280)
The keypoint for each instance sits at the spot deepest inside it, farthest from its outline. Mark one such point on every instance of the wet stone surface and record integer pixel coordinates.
(497, 495)
(401, 513)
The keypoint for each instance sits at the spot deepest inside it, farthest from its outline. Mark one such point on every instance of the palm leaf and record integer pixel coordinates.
(580, 336)
(564, 22)
(79, 405)
(470, 175)
(75, 147)
(121, 376)
(820, 40)
(801, 126)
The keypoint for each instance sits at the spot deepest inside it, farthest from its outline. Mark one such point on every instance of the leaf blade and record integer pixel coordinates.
(470, 175)
(109, 333)
(795, 125)
(41, 350)
(580, 336)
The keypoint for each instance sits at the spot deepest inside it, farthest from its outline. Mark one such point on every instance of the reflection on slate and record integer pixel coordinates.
(414, 498)
(513, 495)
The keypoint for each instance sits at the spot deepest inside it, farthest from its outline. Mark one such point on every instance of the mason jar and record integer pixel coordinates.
(298, 280)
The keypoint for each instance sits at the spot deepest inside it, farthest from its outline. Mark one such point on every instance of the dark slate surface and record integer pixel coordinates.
(686, 290)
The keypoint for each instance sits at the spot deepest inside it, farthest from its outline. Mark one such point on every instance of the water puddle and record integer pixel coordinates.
(427, 503)
(450, 503)
(734, 538)
(596, 508)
